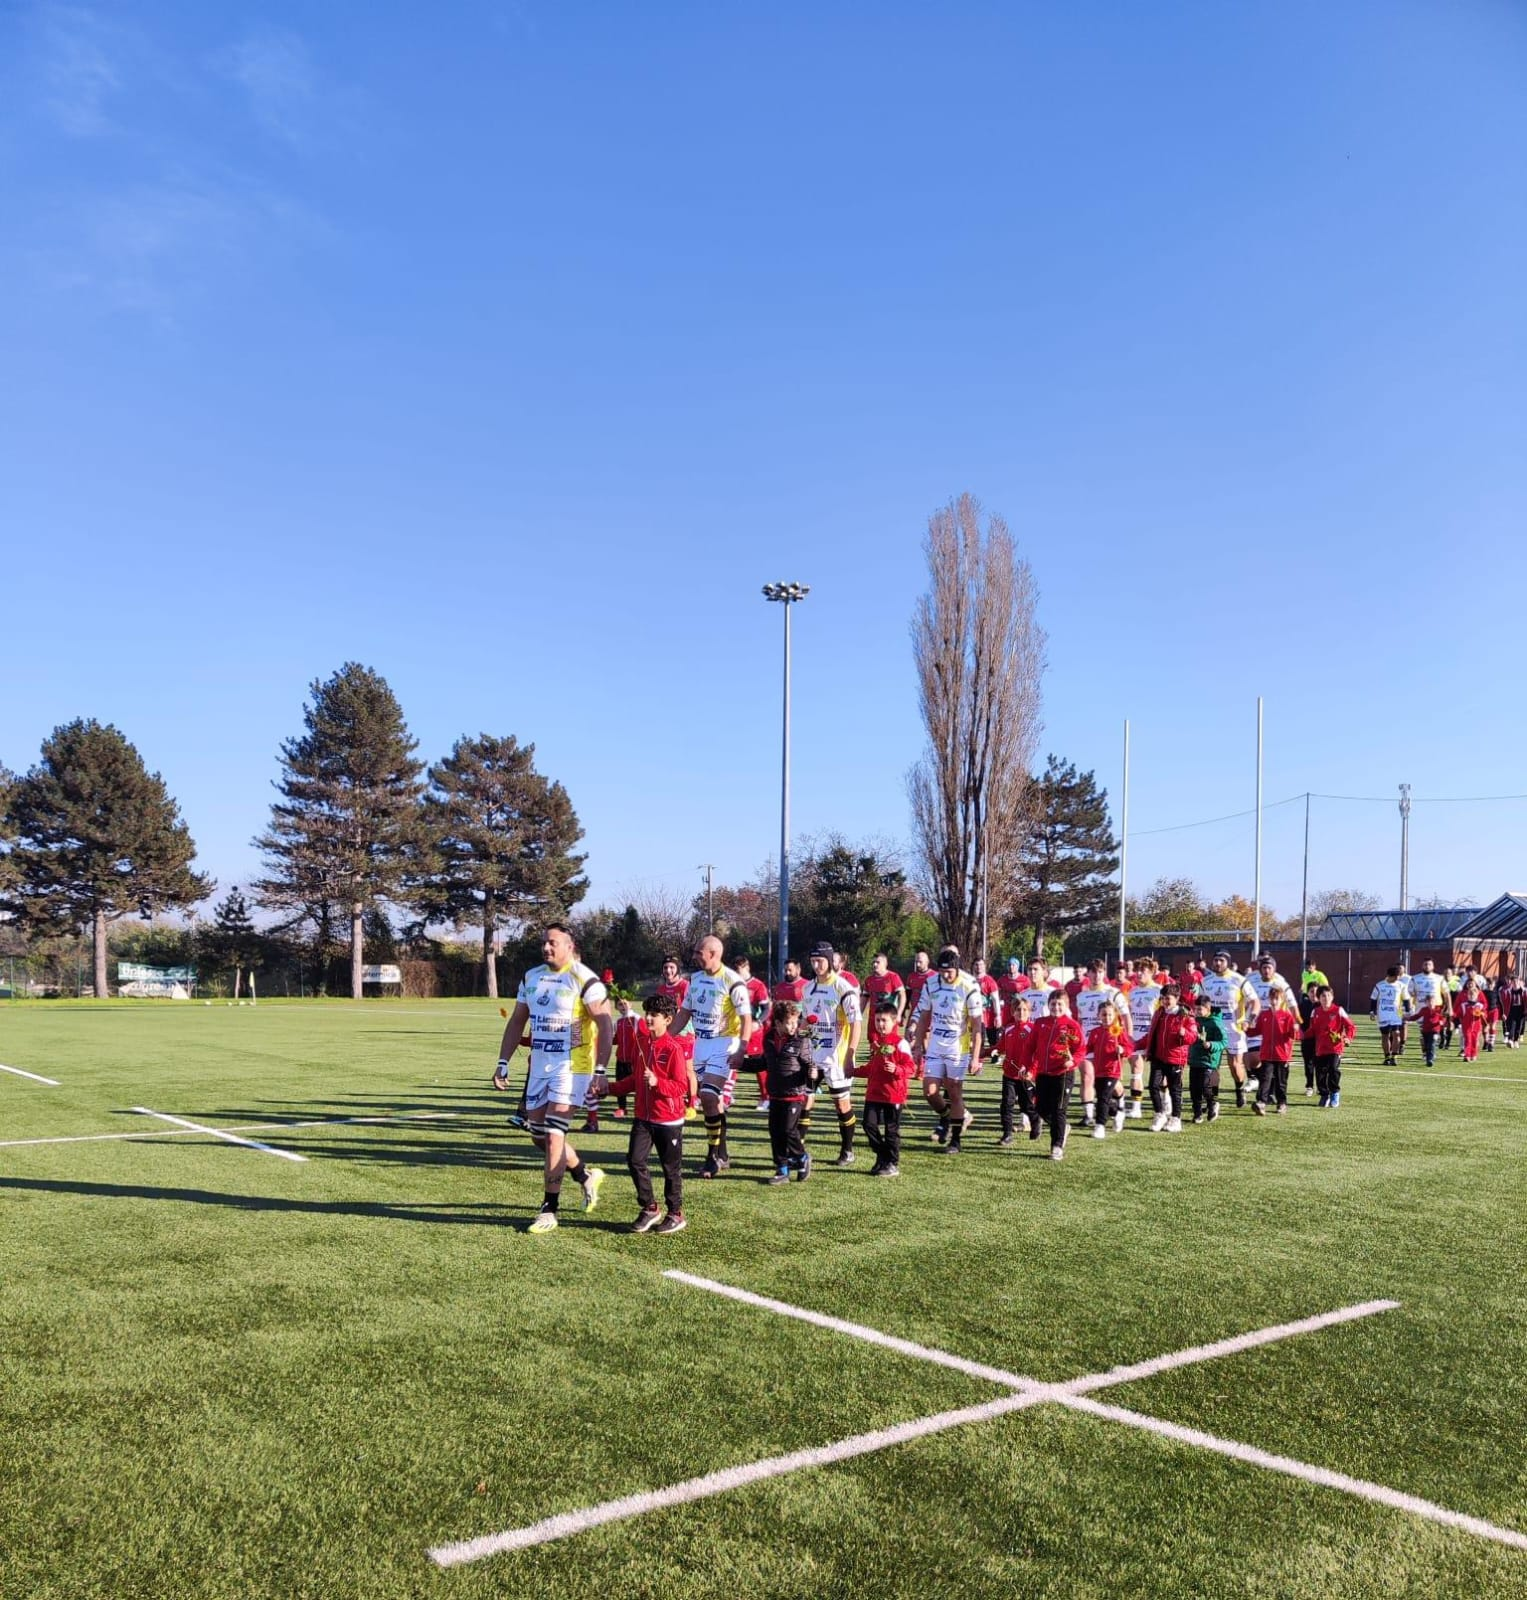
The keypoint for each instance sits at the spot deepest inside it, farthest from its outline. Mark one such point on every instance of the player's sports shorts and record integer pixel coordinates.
(717, 1058)
(1235, 1038)
(554, 1083)
(946, 1068)
(836, 1078)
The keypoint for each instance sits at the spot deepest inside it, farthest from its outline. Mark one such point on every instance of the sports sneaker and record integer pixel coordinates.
(763, 1105)
(845, 1159)
(1118, 1120)
(1309, 1089)
(673, 1223)
(542, 1222)
(1089, 1114)
(591, 1187)
(1158, 1122)
(517, 1120)
(723, 1160)
(890, 1171)
(1336, 1100)
(1005, 1142)
(710, 1167)
(647, 1220)
(1099, 1131)
(1259, 1108)
(940, 1132)
(804, 1170)
(1023, 1122)
(1174, 1125)
(952, 1148)
(1198, 1116)
(1240, 1096)
(1282, 1110)
(1135, 1110)
(966, 1121)
(782, 1176)
(590, 1125)
(1057, 1152)
(1325, 1100)
(1214, 1112)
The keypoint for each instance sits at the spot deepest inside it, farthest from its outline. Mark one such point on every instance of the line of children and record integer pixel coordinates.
(889, 1071)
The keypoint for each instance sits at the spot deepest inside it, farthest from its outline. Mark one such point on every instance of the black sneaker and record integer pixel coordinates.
(647, 1220)
(803, 1171)
(782, 1176)
(673, 1223)
(952, 1148)
(1005, 1142)
(1240, 1096)
(710, 1167)
(941, 1132)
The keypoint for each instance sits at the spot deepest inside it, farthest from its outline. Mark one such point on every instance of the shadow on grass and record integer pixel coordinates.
(484, 1214)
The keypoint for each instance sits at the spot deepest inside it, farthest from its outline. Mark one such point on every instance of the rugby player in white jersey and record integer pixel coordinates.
(1389, 1003)
(1090, 1000)
(567, 1010)
(947, 1037)
(1236, 1005)
(718, 1007)
(830, 1006)
(1143, 999)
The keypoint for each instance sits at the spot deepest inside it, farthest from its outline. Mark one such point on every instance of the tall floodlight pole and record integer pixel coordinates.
(1405, 855)
(787, 594)
(1304, 894)
(709, 869)
(1256, 927)
(1123, 844)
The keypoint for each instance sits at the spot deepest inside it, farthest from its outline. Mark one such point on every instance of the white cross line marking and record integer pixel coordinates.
(723, 1482)
(1359, 1487)
(1028, 1393)
(1425, 1074)
(255, 1127)
(232, 1138)
(52, 1083)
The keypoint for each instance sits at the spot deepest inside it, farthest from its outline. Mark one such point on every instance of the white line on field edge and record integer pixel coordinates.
(1426, 1074)
(52, 1083)
(254, 1127)
(1073, 1395)
(232, 1138)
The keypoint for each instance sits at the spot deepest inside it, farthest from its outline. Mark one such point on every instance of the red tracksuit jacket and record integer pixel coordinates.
(1014, 1050)
(1168, 1037)
(889, 1069)
(1278, 1029)
(1331, 1029)
(1056, 1045)
(670, 1099)
(1110, 1049)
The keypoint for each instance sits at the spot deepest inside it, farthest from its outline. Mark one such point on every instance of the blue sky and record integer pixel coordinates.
(509, 348)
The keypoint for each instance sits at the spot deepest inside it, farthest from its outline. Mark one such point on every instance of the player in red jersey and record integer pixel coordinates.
(991, 1005)
(922, 970)
(792, 986)
(1009, 986)
(883, 984)
(758, 998)
(1054, 1048)
(676, 988)
(1109, 1045)
(840, 966)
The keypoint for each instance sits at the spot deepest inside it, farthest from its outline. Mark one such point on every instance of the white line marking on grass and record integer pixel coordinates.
(217, 1133)
(255, 1127)
(1301, 1469)
(52, 1083)
(723, 1482)
(920, 1352)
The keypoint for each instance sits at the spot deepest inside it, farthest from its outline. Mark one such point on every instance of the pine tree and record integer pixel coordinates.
(232, 939)
(500, 840)
(1069, 860)
(347, 823)
(97, 837)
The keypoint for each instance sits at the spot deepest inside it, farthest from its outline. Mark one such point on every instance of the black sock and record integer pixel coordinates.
(579, 1174)
(846, 1129)
(550, 1202)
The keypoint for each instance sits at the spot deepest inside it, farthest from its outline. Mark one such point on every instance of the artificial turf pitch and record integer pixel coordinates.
(223, 1373)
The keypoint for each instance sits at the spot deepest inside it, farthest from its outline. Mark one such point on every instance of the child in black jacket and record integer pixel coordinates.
(791, 1076)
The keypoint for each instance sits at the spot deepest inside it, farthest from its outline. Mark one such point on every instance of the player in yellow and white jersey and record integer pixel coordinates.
(947, 1036)
(830, 1006)
(717, 1004)
(1237, 1006)
(566, 1008)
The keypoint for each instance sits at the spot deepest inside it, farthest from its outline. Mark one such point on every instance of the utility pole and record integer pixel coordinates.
(709, 869)
(1256, 930)
(1405, 855)
(787, 594)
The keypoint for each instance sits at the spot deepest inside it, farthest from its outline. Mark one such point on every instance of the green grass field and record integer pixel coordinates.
(224, 1373)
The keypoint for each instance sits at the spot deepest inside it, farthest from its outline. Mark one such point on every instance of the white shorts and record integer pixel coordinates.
(836, 1078)
(554, 1083)
(946, 1069)
(717, 1058)
(1235, 1039)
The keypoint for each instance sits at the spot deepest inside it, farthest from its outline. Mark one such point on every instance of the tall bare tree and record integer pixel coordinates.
(980, 657)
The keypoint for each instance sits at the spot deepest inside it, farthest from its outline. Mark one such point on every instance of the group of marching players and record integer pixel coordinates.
(1116, 1039)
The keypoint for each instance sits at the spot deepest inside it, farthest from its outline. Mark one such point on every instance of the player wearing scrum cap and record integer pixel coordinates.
(948, 1033)
(1236, 1005)
(566, 1008)
(1144, 997)
(830, 1007)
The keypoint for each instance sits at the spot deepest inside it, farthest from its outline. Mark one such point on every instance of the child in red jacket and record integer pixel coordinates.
(1017, 1079)
(1055, 1048)
(1472, 1011)
(1171, 1033)
(1435, 1020)
(1110, 1045)
(1278, 1027)
(663, 1083)
(1332, 1031)
(890, 1069)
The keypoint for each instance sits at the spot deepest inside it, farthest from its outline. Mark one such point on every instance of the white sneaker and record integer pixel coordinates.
(1134, 1110)
(1158, 1122)
(966, 1120)
(1118, 1120)
(1099, 1131)
(1089, 1114)
(1057, 1152)
(1023, 1122)
(1174, 1125)
(542, 1222)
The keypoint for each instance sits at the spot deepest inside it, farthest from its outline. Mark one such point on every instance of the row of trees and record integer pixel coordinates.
(480, 838)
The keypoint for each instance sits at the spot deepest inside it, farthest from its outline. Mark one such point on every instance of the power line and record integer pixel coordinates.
(1230, 816)
(1372, 799)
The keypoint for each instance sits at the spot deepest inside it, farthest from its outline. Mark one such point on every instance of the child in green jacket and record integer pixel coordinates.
(1204, 1056)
